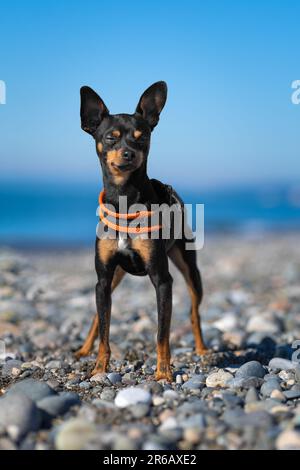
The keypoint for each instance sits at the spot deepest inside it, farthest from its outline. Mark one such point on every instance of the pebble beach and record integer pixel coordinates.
(244, 394)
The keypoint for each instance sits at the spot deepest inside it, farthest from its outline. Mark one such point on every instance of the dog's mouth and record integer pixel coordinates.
(123, 166)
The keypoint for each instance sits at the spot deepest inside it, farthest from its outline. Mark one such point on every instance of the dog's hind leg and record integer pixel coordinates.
(87, 346)
(185, 261)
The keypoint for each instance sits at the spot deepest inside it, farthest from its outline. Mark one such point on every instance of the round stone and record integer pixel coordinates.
(292, 394)
(75, 434)
(58, 405)
(53, 365)
(263, 323)
(268, 387)
(251, 369)
(140, 410)
(114, 378)
(218, 379)
(288, 440)
(170, 395)
(19, 415)
(278, 363)
(192, 385)
(132, 396)
(192, 435)
(32, 388)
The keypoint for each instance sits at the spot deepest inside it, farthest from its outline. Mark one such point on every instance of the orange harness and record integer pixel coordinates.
(120, 228)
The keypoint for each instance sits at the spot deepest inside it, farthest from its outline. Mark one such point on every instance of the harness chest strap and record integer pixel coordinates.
(125, 216)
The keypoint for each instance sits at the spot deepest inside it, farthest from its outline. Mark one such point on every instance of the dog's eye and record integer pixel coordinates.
(110, 138)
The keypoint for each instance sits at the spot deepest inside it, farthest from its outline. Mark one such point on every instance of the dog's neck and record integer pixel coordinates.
(138, 190)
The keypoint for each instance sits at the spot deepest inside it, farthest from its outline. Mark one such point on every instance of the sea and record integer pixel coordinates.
(45, 215)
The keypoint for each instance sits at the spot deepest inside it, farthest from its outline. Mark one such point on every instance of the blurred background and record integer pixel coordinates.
(228, 136)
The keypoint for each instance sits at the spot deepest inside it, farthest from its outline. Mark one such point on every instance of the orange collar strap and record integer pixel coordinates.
(124, 229)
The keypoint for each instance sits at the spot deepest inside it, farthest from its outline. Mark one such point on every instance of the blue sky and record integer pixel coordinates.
(229, 65)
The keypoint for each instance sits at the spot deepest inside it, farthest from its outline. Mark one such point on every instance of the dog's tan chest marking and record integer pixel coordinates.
(107, 248)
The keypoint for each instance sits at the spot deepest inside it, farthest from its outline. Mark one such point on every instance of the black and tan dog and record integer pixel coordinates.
(122, 144)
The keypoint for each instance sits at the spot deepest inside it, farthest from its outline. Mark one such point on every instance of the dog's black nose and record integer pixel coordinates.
(128, 155)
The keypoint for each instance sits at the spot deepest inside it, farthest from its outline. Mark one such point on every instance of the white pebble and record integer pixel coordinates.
(132, 396)
(288, 440)
(218, 379)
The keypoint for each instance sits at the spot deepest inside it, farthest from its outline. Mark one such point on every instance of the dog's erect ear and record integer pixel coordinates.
(152, 102)
(92, 110)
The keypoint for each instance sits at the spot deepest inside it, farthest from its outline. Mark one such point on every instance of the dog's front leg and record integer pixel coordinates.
(103, 302)
(163, 286)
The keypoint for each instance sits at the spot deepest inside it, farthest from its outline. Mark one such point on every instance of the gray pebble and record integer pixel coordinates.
(251, 395)
(53, 384)
(74, 381)
(292, 394)
(248, 382)
(107, 394)
(53, 365)
(33, 389)
(251, 369)
(85, 385)
(238, 419)
(170, 395)
(272, 376)
(114, 378)
(129, 378)
(231, 400)
(268, 387)
(196, 421)
(140, 410)
(154, 387)
(154, 443)
(11, 367)
(19, 415)
(277, 363)
(60, 404)
(172, 434)
(193, 385)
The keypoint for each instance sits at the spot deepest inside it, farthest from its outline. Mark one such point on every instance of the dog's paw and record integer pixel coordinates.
(101, 367)
(164, 375)
(99, 370)
(82, 352)
(202, 351)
